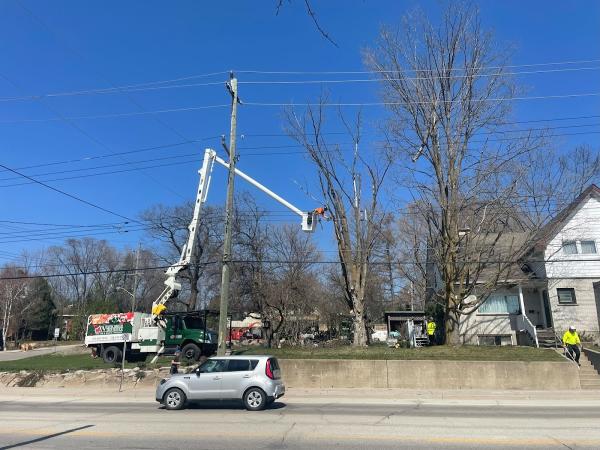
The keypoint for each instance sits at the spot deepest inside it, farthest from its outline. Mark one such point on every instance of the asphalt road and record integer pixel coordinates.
(296, 424)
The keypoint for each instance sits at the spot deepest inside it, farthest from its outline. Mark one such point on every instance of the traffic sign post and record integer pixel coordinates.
(56, 335)
(126, 337)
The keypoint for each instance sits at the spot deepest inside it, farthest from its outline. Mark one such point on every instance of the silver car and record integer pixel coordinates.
(256, 380)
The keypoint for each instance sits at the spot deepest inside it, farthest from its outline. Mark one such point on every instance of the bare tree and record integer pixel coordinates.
(449, 95)
(169, 225)
(13, 291)
(354, 209)
(294, 286)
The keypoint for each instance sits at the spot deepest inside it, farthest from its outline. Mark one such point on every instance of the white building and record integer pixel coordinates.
(559, 285)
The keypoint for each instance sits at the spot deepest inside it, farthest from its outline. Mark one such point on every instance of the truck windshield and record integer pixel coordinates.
(195, 323)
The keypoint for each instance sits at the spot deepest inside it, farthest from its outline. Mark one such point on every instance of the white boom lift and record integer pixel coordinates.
(172, 284)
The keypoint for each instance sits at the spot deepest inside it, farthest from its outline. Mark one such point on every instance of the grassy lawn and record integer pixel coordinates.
(465, 353)
(64, 363)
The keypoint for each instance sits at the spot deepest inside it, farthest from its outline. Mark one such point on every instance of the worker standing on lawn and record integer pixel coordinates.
(572, 342)
(176, 361)
(431, 326)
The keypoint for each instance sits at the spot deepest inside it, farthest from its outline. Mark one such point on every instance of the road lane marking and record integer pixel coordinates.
(512, 442)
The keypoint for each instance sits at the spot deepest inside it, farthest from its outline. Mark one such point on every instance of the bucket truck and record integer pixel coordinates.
(159, 332)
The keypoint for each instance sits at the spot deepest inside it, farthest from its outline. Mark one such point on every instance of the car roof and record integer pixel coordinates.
(242, 357)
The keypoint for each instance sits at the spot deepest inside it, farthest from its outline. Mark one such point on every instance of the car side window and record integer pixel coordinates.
(253, 364)
(238, 365)
(213, 365)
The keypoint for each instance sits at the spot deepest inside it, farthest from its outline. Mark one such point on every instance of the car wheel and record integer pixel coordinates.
(255, 399)
(111, 354)
(190, 352)
(174, 399)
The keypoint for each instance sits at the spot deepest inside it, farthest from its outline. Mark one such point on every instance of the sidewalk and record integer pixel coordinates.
(14, 355)
(320, 396)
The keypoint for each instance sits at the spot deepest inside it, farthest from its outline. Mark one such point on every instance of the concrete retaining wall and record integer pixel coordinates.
(323, 373)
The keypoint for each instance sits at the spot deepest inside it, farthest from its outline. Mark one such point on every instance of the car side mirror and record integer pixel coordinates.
(198, 371)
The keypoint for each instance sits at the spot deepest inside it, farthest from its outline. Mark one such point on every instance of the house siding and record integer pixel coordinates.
(583, 315)
(476, 324)
(579, 271)
(584, 224)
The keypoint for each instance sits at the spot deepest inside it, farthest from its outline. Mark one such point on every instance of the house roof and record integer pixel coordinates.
(509, 247)
(548, 231)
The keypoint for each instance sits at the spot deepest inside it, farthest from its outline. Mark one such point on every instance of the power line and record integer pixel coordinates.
(125, 152)
(126, 114)
(195, 160)
(292, 104)
(349, 72)
(497, 99)
(74, 197)
(193, 141)
(145, 87)
(377, 80)
(282, 262)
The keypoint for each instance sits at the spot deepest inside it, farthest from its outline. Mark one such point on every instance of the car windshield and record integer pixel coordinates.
(212, 365)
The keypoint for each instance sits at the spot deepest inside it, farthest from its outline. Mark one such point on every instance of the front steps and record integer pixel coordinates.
(588, 376)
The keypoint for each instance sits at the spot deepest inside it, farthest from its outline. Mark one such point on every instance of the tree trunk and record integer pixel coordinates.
(360, 329)
(452, 322)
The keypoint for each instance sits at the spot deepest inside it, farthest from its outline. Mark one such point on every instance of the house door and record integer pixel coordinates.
(597, 298)
(547, 309)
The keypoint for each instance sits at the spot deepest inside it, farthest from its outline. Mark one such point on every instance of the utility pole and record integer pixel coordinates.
(135, 277)
(223, 310)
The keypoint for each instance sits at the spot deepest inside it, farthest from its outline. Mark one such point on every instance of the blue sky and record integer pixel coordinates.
(66, 46)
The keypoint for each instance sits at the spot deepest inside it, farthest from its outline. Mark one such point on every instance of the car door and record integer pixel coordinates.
(206, 381)
(237, 377)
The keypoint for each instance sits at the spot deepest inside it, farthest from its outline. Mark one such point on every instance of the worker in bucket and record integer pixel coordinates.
(572, 342)
(321, 211)
(176, 361)
(158, 311)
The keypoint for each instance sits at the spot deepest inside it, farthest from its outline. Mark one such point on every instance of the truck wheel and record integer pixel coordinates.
(255, 399)
(190, 352)
(111, 355)
(174, 399)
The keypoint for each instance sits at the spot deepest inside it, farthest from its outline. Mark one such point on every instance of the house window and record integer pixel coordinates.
(570, 247)
(495, 339)
(500, 304)
(566, 296)
(588, 247)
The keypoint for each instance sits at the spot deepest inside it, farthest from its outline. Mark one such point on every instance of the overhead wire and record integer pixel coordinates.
(196, 159)
(74, 197)
(295, 104)
(278, 262)
(193, 141)
(144, 87)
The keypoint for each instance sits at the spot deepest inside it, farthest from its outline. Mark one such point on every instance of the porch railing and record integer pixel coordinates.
(529, 328)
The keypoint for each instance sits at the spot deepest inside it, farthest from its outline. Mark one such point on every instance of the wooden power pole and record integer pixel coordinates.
(223, 310)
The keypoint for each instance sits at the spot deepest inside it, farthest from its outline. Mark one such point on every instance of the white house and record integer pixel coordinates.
(559, 284)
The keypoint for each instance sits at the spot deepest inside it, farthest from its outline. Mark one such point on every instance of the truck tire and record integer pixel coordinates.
(190, 352)
(111, 354)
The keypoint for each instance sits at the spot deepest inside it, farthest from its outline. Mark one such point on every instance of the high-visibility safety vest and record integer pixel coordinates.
(431, 328)
(571, 338)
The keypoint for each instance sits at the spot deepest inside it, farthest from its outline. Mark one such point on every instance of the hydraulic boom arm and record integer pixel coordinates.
(172, 284)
